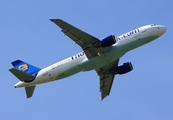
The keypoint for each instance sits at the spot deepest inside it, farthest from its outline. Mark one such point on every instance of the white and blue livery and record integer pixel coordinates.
(101, 55)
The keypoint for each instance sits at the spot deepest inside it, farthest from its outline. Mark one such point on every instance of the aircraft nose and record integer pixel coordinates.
(161, 30)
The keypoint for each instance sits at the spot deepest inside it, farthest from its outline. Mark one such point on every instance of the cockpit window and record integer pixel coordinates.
(153, 25)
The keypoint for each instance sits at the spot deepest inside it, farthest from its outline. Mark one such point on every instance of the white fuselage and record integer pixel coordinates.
(80, 62)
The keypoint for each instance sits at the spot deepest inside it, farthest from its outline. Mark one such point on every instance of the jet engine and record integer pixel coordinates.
(108, 41)
(125, 68)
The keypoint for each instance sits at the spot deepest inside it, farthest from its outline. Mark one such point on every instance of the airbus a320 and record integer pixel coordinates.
(101, 55)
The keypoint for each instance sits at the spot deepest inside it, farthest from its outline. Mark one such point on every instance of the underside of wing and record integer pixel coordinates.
(80, 37)
(106, 82)
(107, 74)
(89, 43)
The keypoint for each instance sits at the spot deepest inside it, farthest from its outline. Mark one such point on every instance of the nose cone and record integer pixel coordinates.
(161, 30)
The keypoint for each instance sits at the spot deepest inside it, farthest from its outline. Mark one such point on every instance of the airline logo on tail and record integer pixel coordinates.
(23, 67)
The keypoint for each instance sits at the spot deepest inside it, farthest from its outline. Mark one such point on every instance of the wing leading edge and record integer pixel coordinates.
(87, 42)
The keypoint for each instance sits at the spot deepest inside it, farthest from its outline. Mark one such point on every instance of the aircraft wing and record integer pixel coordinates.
(86, 41)
(107, 74)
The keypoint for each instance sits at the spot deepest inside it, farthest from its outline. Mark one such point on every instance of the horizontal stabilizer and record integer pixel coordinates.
(22, 76)
(29, 91)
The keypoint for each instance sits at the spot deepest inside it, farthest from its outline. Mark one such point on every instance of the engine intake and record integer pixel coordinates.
(125, 68)
(108, 41)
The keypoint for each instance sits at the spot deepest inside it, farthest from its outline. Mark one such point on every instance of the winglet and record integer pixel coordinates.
(51, 20)
(29, 91)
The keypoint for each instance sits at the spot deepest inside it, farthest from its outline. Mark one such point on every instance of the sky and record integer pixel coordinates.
(146, 93)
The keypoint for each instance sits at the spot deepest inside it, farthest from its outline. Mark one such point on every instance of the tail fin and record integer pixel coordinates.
(24, 71)
(25, 67)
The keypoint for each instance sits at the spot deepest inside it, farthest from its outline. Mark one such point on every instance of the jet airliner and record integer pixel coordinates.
(101, 55)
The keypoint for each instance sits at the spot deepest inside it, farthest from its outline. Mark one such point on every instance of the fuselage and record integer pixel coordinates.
(80, 62)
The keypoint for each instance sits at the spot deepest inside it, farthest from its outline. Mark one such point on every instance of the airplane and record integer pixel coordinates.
(101, 55)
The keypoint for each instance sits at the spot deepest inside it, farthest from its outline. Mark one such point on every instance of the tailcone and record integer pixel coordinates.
(20, 84)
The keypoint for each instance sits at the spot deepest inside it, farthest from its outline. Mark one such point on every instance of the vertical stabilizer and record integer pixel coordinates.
(25, 67)
(24, 71)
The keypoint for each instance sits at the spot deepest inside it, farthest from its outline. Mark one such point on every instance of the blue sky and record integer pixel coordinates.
(26, 33)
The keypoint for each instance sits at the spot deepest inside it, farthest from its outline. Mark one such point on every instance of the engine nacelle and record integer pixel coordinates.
(125, 68)
(108, 41)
